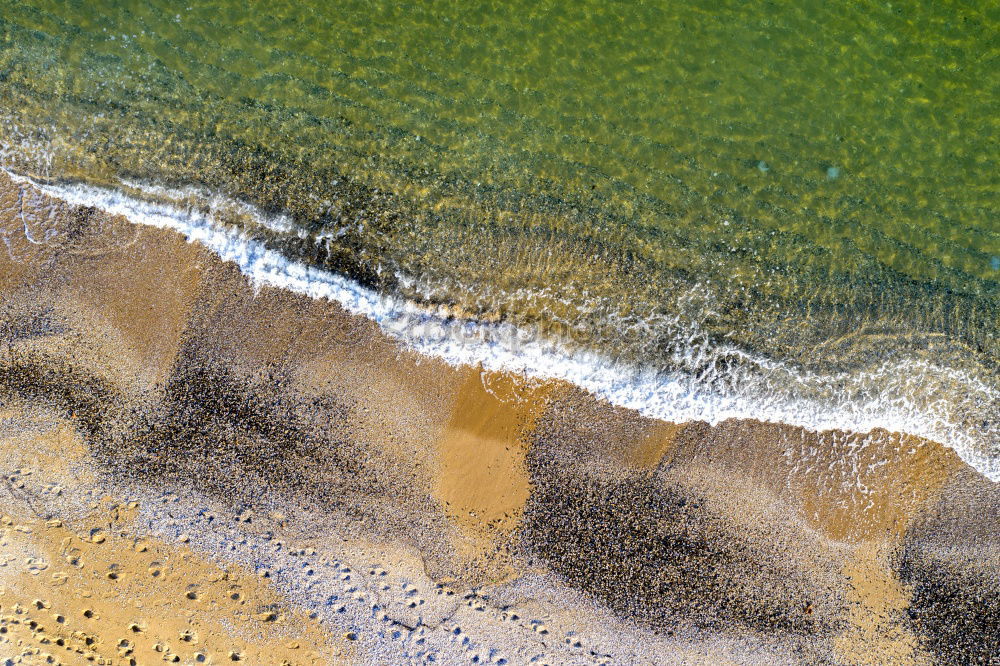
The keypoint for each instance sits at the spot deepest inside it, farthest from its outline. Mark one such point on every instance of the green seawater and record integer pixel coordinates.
(814, 183)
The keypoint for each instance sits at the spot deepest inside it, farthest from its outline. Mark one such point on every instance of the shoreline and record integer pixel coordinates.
(675, 397)
(284, 434)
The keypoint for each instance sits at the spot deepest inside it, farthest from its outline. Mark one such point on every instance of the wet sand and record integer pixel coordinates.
(368, 505)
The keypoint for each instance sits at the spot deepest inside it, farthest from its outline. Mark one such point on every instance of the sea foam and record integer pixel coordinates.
(899, 396)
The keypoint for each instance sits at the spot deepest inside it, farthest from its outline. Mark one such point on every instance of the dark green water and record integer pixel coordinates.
(813, 183)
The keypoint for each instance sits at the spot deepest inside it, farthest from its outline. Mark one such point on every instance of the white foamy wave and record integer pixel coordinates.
(900, 396)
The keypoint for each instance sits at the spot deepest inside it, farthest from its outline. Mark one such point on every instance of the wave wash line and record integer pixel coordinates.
(671, 396)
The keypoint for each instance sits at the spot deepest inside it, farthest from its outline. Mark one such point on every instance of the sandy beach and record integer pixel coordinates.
(201, 470)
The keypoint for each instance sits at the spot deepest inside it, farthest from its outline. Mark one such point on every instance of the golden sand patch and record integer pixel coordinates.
(872, 485)
(852, 487)
(650, 448)
(83, 586)
(876, 634)
(150, 304)
(483, 484)
(101, 594)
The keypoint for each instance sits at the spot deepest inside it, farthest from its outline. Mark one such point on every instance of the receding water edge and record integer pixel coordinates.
(898, 397)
